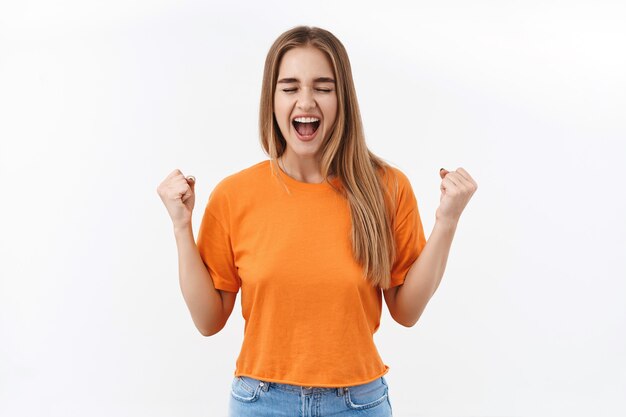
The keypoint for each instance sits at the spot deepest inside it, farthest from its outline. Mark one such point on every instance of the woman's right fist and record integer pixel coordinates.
(177, 193)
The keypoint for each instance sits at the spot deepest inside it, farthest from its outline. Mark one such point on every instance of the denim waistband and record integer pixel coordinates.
(265, 385)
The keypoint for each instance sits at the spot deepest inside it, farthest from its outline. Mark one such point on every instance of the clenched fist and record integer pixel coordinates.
(177, 193)
(457, 187)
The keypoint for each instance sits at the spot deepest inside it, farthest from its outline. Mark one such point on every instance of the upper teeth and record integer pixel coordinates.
(306, 119)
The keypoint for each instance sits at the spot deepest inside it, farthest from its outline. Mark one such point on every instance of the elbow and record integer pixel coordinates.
(208, 332)
(406, 321)
(211, 326)
(410, 318)
(211, 330)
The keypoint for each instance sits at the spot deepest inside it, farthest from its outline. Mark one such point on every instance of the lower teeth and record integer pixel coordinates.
(306, 129)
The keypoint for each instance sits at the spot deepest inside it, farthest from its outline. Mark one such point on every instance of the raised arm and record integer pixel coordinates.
(210, 308)
(407, 302)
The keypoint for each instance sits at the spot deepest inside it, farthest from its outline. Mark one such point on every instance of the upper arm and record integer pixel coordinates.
(409, 240)
(390, 299)
(228, 303)
(408, 232)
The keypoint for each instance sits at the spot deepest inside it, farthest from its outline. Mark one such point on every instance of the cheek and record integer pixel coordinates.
(280, 110)
(332, 105)
(332, 112)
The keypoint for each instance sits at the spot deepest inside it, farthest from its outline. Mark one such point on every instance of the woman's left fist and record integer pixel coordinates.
(457, 187)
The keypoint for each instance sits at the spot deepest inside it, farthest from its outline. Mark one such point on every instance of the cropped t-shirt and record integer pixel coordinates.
(310, 315)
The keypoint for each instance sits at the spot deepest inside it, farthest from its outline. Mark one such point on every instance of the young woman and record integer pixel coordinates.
(314, 237)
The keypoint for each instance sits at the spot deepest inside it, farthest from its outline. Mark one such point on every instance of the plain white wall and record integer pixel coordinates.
(99, 101)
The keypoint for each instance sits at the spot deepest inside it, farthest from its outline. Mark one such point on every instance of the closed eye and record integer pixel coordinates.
(291, 90)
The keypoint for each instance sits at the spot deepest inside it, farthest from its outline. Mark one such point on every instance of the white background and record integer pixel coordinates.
(99, 101)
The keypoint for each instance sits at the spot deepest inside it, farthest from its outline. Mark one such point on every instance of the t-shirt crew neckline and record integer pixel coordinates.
(306, 186)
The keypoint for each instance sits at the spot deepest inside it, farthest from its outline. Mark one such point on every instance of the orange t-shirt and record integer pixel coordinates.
(309, 314)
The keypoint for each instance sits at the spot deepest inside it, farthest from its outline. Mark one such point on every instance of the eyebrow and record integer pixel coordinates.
(295, 80)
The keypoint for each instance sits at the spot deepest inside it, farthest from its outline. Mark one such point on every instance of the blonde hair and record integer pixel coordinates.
(344, 154)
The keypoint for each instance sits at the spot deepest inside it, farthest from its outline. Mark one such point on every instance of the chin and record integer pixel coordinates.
(304, 150)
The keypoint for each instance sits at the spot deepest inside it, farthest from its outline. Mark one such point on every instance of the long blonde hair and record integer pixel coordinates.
(344, 154)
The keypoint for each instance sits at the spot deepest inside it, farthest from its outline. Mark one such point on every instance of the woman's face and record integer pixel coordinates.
(305, 101)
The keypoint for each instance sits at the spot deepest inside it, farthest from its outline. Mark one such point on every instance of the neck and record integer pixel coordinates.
(301, 169)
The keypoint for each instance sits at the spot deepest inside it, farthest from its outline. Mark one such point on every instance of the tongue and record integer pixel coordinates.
(305, 129)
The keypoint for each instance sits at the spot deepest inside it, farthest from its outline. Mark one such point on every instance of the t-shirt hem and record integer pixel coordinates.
(229, 288)
(397, 283)
(310, 384)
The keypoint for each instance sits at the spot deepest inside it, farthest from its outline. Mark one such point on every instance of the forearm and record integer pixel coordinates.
(203, 300)
(424, 276)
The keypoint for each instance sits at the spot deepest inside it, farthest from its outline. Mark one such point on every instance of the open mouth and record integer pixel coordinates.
(306, 126)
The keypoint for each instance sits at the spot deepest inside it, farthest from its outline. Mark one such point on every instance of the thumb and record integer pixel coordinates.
(443, 172)
(191, 180)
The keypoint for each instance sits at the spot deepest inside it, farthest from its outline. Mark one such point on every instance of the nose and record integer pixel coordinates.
(306, 100)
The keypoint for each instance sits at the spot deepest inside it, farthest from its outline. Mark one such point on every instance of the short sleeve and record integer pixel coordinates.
(408, 230)
(214, 242)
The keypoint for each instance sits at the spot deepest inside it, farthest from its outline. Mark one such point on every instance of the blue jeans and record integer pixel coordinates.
(250, 397)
